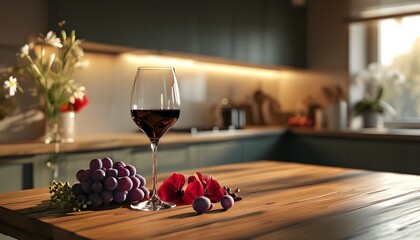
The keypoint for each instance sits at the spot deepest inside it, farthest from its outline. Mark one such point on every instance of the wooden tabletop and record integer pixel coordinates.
(280, 201)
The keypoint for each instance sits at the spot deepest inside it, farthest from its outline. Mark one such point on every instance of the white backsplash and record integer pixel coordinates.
(109, 79)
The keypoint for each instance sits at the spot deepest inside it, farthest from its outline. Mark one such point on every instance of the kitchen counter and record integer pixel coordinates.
(110, 141)
(280, 201)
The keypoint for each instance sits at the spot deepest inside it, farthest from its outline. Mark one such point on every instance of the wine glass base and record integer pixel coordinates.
(152, 205)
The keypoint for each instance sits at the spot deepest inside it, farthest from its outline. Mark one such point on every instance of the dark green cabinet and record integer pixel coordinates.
(377, 154)
(285, 40)
(263, 32)
(249, 31)
(16, 173)
(215, 32)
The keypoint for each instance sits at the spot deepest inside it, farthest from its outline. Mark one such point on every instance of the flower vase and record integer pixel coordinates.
(67, 126)
(336, 115)
(52, 128)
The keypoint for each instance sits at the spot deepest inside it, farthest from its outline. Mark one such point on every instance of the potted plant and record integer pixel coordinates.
(371, 107)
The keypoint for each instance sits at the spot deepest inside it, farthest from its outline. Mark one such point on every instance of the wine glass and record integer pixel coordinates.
(155, 107)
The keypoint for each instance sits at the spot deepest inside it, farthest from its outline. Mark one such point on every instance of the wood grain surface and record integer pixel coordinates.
(280, 201)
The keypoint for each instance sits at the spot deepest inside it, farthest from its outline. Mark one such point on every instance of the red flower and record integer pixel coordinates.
(78, 104)
(172, 190)
(212, 188)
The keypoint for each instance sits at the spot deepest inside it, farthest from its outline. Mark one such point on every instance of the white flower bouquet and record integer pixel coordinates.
(50, 62)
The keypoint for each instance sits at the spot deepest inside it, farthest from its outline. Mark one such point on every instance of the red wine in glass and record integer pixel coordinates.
(155, 122)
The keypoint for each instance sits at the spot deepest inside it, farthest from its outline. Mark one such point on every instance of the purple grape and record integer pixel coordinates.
(136, 181)
(97, 187)
(86, 178)
(80, 174)
(124, 184)
(77, 189)
(82, 197)
(145, 190)
(131, 169)
(119, 164)
(119, 196)
(112, 172)
(95, 199)
(136, 194)
(95, 164)
(142, 179)
(107, 162)
(123, 172)
(110, 183)
(86, 186)
(227, 202)
(201, 204)
(106, 197)
(98, 175)
(118, 167)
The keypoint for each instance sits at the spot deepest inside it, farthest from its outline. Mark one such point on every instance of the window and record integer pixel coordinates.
(398, 46)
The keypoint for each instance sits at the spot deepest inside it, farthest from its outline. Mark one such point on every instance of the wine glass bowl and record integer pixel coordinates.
(155, 108)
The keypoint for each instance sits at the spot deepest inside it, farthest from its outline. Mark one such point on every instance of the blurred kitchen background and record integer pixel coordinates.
(287, 50)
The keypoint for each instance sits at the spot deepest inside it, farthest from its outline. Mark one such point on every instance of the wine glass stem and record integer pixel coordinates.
(153, 145)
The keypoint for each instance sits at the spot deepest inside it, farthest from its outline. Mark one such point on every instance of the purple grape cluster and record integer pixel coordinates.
(105, 182)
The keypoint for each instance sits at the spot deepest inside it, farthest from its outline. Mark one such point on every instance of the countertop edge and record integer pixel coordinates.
(380, 133)
(100, 142)
(125, 140)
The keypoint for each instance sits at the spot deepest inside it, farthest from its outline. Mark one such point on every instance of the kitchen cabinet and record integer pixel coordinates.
(380, 154)
(249, 31)
(16, 173)
(262, 32)
(174, 25)
(215, 32)
(155, 25)
(210, 154)
(176, 157)
(266, 147)
(169, 158)
(285, 34)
